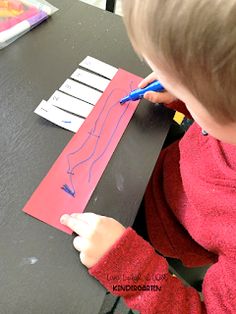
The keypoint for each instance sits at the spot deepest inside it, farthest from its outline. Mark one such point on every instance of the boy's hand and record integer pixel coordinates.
(96, 235)
(164, 97)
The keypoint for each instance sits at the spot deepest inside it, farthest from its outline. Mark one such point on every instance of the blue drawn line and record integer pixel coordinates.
(91, 133)
(105, 104)
(96, 143)
(66, 188)
(76, 151)
(93, 152)
(131, 86)
(70, 171)
(108, 143)
(66, 121)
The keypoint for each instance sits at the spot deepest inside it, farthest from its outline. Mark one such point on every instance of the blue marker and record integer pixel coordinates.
(139, 92)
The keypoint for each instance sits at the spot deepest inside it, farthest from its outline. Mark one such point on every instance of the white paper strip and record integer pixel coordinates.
(65, 120)
(80, 91)
(91, 79)
(71, 104)
(99, 67)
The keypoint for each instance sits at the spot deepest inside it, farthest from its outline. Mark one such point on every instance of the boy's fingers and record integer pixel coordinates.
(80, 243)
(77, 225)
(153, 97)
(87, 261)
(76, 215)
(164, 98)
(149, 79)
(89, 218)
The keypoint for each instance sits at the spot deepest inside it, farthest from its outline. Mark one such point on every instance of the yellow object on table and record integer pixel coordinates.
(179, 117)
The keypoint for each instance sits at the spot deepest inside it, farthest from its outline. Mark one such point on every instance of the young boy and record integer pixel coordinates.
(191, 198)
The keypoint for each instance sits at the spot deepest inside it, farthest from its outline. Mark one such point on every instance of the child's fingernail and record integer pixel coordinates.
(63, 218)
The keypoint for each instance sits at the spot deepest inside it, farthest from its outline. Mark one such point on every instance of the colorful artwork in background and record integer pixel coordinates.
(10, 8)
(72, 179)
(12, 15)
(19, 16)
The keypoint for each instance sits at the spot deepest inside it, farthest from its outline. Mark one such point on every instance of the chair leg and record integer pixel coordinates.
(110, 5)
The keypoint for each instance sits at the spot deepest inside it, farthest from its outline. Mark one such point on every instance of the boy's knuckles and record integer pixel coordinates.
(88, 248)
(153, 98)
(99, 222)
(71, 222)
(93, 235)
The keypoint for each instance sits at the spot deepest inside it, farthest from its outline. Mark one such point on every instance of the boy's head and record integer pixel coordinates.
(194, 42)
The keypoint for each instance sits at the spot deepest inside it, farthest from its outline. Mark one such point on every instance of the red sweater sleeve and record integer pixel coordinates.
(132, 269)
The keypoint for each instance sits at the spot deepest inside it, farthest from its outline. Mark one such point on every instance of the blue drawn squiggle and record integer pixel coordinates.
(92, 131)
(131, 86)
(108, 143)
(70, 171)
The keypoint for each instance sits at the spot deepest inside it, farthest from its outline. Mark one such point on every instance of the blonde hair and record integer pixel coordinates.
(196, 41)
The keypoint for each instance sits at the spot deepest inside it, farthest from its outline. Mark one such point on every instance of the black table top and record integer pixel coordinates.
(40, 271)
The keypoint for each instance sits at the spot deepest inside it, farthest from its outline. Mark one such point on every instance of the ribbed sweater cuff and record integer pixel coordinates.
(130, 260)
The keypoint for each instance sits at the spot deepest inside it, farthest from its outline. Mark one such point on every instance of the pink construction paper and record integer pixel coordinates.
(72, 179)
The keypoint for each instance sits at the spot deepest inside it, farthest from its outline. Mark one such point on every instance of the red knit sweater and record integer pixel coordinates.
(191, 215)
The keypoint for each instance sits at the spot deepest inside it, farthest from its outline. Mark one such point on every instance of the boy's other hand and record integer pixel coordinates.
(163, 98)
(96, 235)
